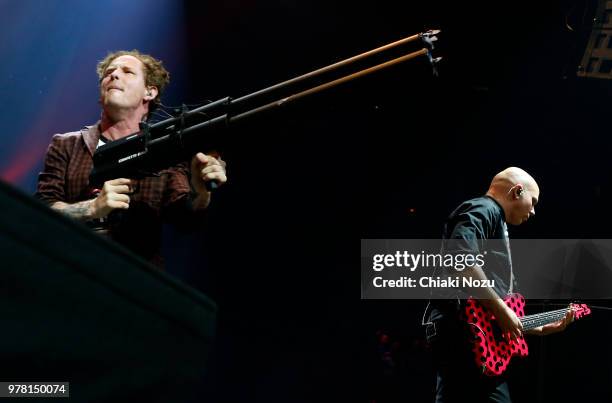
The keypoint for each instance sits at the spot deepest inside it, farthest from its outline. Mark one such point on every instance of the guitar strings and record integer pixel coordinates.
(544, 318)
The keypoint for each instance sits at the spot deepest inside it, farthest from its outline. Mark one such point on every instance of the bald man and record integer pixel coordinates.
(476, 226)
(516, 192)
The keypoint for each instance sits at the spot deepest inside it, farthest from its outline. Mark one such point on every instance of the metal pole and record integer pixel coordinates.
(429, 35)
(324, 86)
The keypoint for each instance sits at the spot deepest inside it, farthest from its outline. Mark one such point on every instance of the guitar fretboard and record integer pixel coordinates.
(544, 318)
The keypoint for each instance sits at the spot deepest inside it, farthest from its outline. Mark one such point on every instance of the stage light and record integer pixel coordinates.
(597, 59)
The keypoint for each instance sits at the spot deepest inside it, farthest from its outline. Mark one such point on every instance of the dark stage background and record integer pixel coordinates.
(386, 157)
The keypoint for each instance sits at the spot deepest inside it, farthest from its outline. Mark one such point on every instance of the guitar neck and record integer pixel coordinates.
(544, 318)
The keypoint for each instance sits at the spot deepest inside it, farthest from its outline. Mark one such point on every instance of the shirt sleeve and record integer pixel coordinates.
(177, 202)
(51, 181)
(467, 232)
(178, 185)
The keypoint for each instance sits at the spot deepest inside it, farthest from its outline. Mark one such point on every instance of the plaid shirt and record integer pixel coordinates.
(65, 178)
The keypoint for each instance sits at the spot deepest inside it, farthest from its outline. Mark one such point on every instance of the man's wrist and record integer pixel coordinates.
(92, 212)
(199, 200)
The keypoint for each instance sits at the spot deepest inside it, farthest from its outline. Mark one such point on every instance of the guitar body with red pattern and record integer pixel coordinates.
(492, 352)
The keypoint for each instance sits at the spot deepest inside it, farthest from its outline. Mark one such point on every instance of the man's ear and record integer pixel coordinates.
(519, 190)
(150, 93)
(516, 191)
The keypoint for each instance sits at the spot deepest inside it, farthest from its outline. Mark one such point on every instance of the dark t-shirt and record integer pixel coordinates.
(477, 226)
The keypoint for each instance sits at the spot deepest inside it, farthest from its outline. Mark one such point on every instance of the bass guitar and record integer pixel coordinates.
(492, 352)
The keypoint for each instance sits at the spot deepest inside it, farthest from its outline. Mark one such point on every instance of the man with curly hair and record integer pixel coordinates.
(131, 84)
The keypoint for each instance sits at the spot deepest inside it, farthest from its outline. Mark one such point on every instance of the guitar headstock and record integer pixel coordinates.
(580, 310)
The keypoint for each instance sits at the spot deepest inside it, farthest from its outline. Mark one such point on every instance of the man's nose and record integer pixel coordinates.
(532, 212)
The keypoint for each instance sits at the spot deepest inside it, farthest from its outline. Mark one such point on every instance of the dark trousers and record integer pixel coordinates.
(458, 377)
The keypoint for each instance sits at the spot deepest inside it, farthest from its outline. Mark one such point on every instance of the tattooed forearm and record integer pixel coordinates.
(79, 211)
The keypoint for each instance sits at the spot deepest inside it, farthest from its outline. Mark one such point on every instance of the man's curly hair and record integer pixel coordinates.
(156, 74)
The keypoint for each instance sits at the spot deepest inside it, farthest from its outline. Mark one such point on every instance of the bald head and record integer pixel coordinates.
(517, 192)
(512, 176)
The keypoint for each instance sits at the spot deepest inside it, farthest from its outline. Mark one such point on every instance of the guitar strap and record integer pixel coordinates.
(507, 243)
